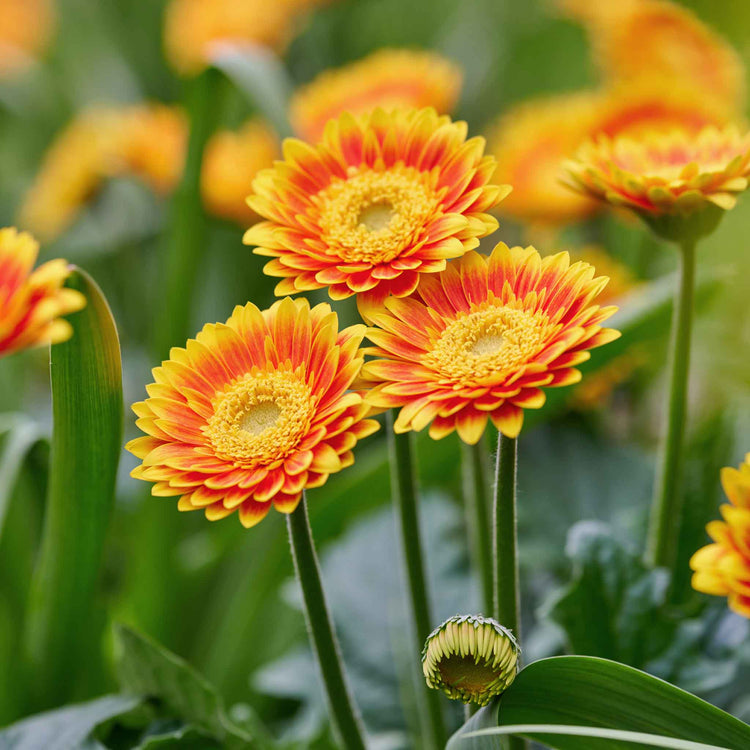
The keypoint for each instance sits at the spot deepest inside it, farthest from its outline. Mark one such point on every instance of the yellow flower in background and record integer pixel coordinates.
(481, 339)
(635, 39)
(25, 30)
(389, 79)
(530, 143)
(664, 173)
(32, 301)
(192, 27)
(230, 163)
(381, 201)
(723, 568)
(252, 412)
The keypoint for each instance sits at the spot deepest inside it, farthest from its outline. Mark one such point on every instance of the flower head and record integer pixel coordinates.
(32, 302)
(388, 78)
(482, 338)
(382, 201)
(25, 30)
(252, 412)
(231, 161)
(723, 568)
(470, 658)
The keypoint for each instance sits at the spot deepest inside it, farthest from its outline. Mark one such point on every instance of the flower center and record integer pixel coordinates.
(373, 216)
(488, 341)
(261, 417)
(469, 675)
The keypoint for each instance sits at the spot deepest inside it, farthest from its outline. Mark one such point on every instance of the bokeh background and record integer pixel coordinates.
(223, 597)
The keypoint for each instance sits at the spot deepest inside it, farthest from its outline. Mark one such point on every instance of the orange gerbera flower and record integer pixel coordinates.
(231, 161)
(25, 29)
(669, 173)
(32, 302)
(723, 568)
(251, 413)
(388, 78)
(482, 338)
(383, 200)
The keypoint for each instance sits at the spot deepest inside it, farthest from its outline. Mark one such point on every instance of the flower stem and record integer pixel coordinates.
(476, 498)
(506, 603)
(404, 490)
(323, 637)
(664, 526)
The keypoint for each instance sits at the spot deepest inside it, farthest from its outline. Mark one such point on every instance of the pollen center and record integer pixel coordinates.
(487, 341)
(261, 417)
(373, 216)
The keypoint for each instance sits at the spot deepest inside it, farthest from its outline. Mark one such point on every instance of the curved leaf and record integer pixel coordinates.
(87, 439)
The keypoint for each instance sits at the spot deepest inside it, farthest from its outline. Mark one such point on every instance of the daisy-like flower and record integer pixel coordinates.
(388, 78)
(231, 161)
(482, 338)
(723, 568)
(470, 658)
(25, 30)
(32, 302)
(382, 201)
(664, 174)
(252, 412)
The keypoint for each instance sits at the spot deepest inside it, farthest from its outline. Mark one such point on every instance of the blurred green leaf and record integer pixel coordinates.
(68, 728)
(87, 440)
(261, 76)
(149, 670)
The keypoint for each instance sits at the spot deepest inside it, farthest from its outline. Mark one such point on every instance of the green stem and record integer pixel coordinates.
(187, 230)
(664, 526)
(506, 603)
(476, 498)
(322, 634)
(404, 491)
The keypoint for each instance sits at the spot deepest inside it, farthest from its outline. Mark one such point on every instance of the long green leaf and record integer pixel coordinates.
(87, 440)
(593, 692)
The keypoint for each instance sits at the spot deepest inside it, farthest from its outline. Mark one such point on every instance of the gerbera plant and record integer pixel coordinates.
(249, 415)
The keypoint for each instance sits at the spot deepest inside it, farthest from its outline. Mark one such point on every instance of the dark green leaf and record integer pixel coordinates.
(87, 440)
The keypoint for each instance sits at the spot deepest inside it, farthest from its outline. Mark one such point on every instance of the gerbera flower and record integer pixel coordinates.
(32, 302)
(530, 142)
(383, 200)
(664, 173)
(231, 161)
(25, 30)
(723, 568)
(482, 338)
(470, 658)
(252, 412)
(388, 78)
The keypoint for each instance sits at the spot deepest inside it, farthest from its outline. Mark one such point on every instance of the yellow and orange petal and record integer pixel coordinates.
(192, 28)
(25, 30)
(664, 173)
(382, 201)
(482, 339)
(231, 161)
(723, 568)
(530, 143)
(252, 412)
(32, 302)
(635, 39)
(389, 79)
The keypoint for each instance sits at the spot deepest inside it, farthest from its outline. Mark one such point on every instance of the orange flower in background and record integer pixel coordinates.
(481, 339)
(230, 163)
(636, 39)
(193, 27)
(380, 202)
(25, 30)
(252, 412)
(664, 173)
(723, 568)
(388, 78)
(32, 302)
(530, 143)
